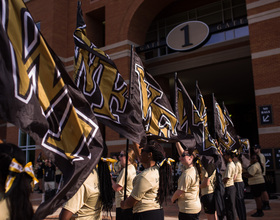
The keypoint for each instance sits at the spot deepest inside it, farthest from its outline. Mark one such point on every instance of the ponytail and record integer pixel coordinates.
(105, 184)
(197, 164)
(18, 197)
(165, 182)
(165, 172)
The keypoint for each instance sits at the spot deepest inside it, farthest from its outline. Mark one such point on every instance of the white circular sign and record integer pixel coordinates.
(187, 35)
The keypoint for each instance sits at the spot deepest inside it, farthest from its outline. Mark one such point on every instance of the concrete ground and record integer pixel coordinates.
(171, 210)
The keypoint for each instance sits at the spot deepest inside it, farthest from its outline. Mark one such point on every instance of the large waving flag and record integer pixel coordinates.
(227, 136)
(226, 139)
(196, 120)
(103, 86)
(39, 97)
(157, 114)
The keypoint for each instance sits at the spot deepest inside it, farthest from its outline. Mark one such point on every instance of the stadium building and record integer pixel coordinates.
(237, 61)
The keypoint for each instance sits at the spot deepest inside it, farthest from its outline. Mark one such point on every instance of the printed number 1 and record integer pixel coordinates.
(187, 39)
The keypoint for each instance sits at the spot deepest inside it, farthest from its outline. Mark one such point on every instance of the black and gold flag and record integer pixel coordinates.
(225, 138)
(103, 86)
(38, 96)
(197, 120)
(156, 112)
(200, 125)
(200, 105)
(245, 151)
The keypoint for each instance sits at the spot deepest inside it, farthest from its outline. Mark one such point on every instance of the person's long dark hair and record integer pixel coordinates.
(18, 199)
(105, 184)
(165, 179)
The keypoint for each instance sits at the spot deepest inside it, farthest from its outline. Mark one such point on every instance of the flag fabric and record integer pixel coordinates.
(103, 86)
(230, 129)
(227, 137)
(157, 115)
(245, 152)
(196, 120)
(38, 96)
(200, 105)
(221, 123)
(182, 109)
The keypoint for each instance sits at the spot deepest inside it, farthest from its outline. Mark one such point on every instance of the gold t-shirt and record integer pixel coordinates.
(256, 171)
(208, 189)
(86, 204)
(229, 173)
(238, 172)
(4, 210)
(131, 173)
(145, 189)
(188, 182)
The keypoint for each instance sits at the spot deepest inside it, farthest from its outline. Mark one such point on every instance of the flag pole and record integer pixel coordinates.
(214, 122)
(196, 94)
(127, 140)
(175, 104)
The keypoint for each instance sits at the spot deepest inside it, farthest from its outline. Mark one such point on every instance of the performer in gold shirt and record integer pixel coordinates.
(151, 186)
(187, 192)
(230, 190)
(239, 185)
(256, 182)
(118, 186)
(265, 196)
(207, 188)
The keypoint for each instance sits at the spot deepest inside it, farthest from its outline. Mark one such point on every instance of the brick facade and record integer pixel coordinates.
(265, 49)
(126, 23)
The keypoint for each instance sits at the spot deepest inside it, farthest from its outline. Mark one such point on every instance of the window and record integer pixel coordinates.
(27, 144)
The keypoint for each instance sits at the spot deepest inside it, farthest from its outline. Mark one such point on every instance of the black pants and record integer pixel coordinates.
(149, 215)
(239, 201)
(230, 193)
(186, 216)
(124, 214)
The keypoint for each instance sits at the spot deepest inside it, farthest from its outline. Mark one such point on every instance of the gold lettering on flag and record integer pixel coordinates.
(160, 121)
(35, 74)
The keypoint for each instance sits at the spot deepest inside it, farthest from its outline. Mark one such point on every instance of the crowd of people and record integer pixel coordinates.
(139, 193)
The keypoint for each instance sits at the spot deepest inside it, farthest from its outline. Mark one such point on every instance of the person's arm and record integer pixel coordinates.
(116, 187)
(246, 174)
(205, 182)
(235, 174)
(128, 203)
(179, 148)
(225, 180)
(65, 214)
(176, 195)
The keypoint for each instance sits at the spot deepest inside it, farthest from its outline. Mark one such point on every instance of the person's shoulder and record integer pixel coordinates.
(190, 171)
(150, 172)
